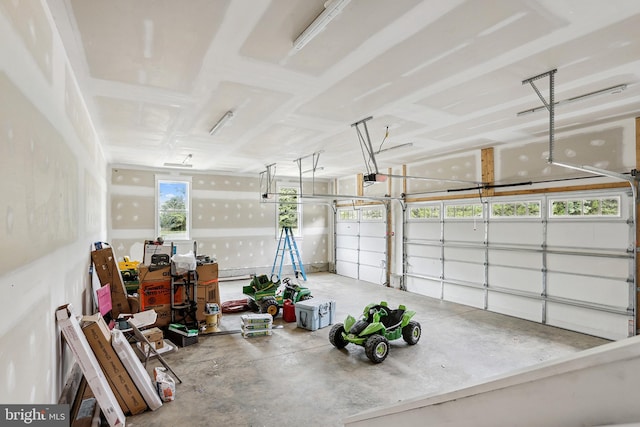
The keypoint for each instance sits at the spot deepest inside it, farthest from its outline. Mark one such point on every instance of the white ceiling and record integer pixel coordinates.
(445, 75)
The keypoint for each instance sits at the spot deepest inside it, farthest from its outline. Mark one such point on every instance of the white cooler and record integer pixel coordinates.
(315, 313)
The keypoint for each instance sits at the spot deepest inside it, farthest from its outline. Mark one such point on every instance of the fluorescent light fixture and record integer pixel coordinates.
(608, 91)
(408, 144)
(223, 120)
(184, 163)
(332, 8)
(178, 165)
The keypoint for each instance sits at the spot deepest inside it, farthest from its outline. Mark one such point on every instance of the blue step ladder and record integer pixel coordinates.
(288, 244)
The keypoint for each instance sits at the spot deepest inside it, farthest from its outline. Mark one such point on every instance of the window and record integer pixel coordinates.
(371, 214)
(425, 212)
(289, 211)
(173, 221)
(515, 209)
(605, 206)
(464, 211)
(350, 215)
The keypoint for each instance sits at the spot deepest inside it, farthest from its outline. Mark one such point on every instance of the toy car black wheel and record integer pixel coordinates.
(411, 332)
(270, 306)
(335, 336)
(253, 306)
(376, 347)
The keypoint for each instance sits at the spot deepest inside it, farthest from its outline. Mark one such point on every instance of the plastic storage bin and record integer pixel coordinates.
(315, 313)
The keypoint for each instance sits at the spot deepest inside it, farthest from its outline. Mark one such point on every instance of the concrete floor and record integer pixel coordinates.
(296, 377)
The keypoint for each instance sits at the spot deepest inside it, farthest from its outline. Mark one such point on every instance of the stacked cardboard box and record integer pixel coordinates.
(98, 335)
(155, 292)
(256, 325)
(207, 290)
(107, 270)
(89, 365)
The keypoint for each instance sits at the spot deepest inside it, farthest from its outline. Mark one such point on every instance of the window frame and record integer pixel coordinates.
(297, 231)
(164, 179)
(581, 200)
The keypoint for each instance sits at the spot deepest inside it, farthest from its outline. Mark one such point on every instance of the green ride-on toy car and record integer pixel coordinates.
(378, 325)
(264, 296)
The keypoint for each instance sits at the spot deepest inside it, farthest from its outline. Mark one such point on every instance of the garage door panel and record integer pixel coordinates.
(424, 230)
(375, 229)
(430, 288)
(464, 231)
(350, 255)
(587, 234)
(372, 258)
(373, 243)
(423, 251)
(588, 264)
(515, 258)
(372, 274)
(516, 279)
(464, 295)
(503, 232)
(514, 305)
(473, 273)
(348, 242)
(589, 289)
(464, 254)
(425, 266)
(347, 228)
(348, 269)
(593, 322)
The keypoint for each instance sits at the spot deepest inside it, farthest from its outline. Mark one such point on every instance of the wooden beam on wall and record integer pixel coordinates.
(488, 170)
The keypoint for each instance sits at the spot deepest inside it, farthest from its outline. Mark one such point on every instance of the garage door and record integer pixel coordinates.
(361, 243)
(563, 260)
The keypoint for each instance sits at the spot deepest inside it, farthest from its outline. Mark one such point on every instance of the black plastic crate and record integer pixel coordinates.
(179, 339)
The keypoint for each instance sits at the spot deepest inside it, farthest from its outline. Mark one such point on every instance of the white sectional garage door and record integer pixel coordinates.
(563, 260)
(361, 243)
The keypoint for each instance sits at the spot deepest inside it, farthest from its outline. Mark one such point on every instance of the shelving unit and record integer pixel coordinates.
(184, 312)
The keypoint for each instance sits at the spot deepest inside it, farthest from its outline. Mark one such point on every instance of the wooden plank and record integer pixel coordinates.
(488, 170)
(613, 185)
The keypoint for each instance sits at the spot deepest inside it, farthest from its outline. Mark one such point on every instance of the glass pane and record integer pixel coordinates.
(611, 207)
(559, 208)
(173, 212)
(534, 209)
(574, 207)
(288, 208)
(591, 207)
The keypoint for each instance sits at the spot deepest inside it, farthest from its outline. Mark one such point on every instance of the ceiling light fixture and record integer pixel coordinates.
(332, 8)
(608, 91)
(184, 163)
(223, 120)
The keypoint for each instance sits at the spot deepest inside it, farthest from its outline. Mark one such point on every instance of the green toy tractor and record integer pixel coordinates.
(378, 325)
(264, 296)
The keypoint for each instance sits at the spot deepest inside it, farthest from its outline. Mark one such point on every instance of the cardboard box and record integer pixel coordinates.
(89, 365)
(135, 368)
(207, 274)
(147, 275)
(159, 293)
(207, 294)
(107, 270)
(153, 334)
(164, 314)
(99, 337)
(153, 249)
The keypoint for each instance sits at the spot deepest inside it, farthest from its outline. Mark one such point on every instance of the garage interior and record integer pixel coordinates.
(474, 161)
